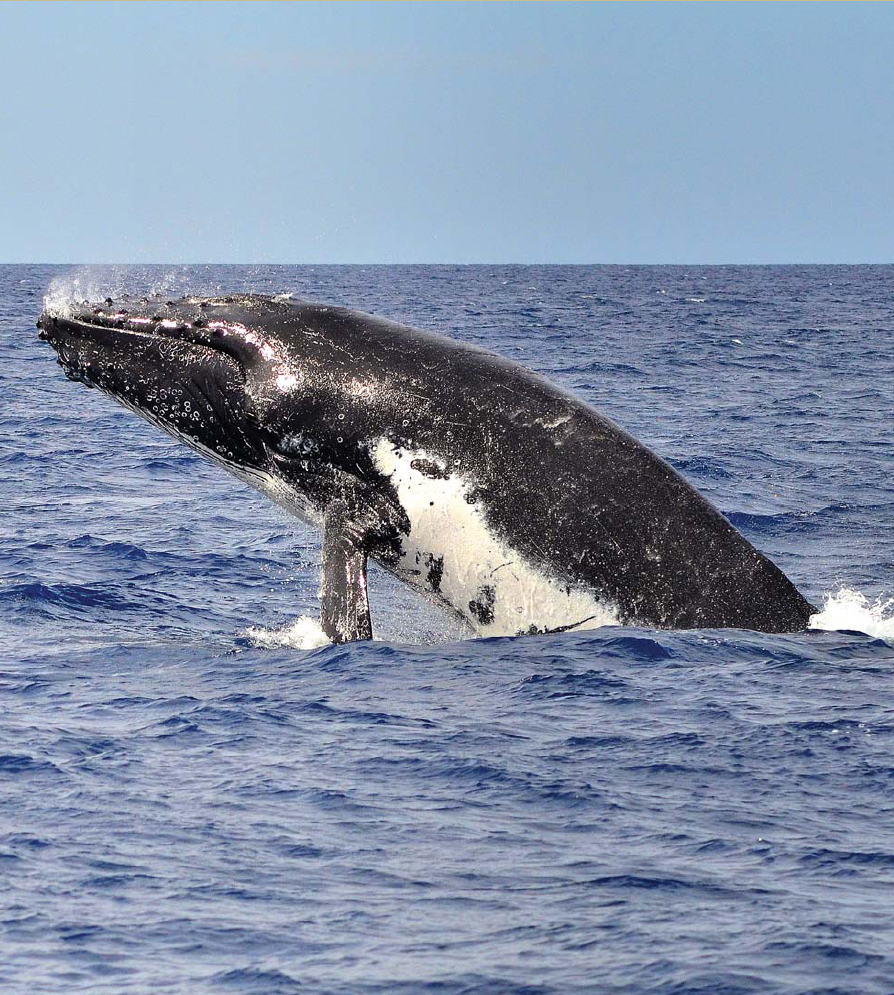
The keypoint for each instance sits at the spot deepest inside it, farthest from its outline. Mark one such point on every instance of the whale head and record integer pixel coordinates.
(188, 374)
(213, 373)
(248, 381)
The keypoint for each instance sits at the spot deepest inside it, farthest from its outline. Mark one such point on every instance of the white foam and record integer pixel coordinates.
(849, 609)
(304, 633)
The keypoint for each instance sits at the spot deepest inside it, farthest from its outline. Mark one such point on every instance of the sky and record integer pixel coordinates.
(442, 132)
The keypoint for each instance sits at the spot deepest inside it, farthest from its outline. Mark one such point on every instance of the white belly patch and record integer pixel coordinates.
(488, 582)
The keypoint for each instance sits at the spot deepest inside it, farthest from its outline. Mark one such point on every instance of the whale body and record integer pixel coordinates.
(486, 486)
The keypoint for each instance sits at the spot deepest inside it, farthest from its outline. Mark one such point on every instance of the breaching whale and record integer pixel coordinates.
(483, 484)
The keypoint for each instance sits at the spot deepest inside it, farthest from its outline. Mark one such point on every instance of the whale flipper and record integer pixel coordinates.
(345, 610)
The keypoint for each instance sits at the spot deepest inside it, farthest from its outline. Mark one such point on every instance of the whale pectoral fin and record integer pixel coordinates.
(345, 611)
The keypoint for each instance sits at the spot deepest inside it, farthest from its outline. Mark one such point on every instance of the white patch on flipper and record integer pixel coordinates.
(445, 525)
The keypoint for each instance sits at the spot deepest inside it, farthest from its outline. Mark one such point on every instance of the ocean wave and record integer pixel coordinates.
(75, 597)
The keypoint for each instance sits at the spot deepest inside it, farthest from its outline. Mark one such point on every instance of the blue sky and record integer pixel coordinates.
(440, 132)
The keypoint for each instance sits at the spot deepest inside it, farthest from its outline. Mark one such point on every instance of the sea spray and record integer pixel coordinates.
(848, 609)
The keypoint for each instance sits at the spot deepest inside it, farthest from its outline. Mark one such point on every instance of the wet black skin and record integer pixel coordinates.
(303, 391)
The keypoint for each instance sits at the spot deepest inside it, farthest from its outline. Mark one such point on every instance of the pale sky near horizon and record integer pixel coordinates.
(442, 132)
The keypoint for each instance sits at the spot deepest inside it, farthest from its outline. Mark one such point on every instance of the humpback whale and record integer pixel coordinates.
(491, 489)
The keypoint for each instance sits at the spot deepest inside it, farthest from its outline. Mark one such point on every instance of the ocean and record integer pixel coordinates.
(192, 801)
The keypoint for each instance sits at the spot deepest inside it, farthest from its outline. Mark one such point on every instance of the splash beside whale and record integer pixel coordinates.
(486, 486)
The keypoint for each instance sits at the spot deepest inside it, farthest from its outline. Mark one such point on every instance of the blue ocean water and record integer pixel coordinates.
(185, 809)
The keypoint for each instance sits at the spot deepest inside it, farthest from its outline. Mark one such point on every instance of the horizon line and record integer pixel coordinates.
(417, 263)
